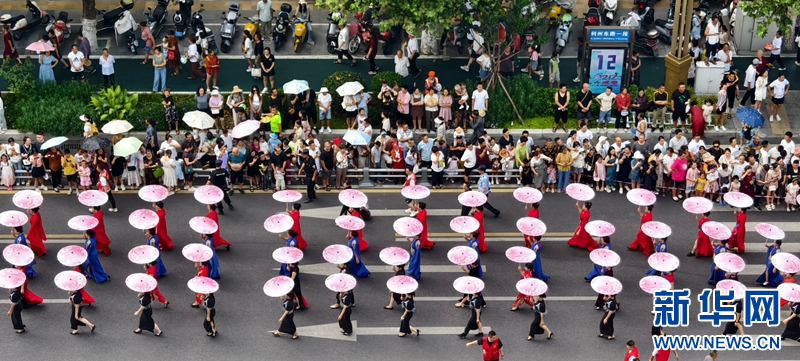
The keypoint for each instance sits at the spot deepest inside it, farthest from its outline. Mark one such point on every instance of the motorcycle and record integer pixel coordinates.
(609, 11)
(300, 32)
(252, 25)
(20, 25)
(592, 15)
(108, 18)
(157, 17)
(364, 22)
(182, 17)
(204, 35)
(563, 32)
(127, 27)
(457, 36)
(60, 27)
(228, 28)
(646, 40)
(282, 24)
(557, 9)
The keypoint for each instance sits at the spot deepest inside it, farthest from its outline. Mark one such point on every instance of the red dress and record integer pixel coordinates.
(28, 296)
(422, 217)
(301, 243)
(789, 279)
(161, 230)
(643, 241)
(201, 272)
(362, 244)
(704, 246)
(87, 298)
(218, 240)
(155, 293)
(737, 236)
(581, 238)
(698, 121)
(36, 236)
(520, 296)
(100, 234)
(481, 237)
(533, 213)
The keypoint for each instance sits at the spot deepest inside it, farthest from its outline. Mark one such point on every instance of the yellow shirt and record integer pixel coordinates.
(563, 158)
(68, 164)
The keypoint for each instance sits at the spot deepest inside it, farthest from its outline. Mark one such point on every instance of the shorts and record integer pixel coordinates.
(467, 171)
(605, 117)
(533, 65)
(551, 181)
(576, 170)
(324, 114)
(78, 76)
(72, 177)
(679, 116)
(147, 49)
(237, 176)
(584, 115)
(773, 188)
(474, 55)
(555, 77)
(348, 114)
(330, 173)
(37, 172)
(777, 101)
(721, 111)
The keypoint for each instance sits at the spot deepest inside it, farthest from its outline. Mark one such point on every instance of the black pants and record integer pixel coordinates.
(55, 176)
(750, 94)
(489, 208)
(773, 58)
(225, 199)
(310, 191)
(372, 65)
(107, 78)
(111, 199)
(757, 199)
(345, 53)
(437, 178)
(412, 65)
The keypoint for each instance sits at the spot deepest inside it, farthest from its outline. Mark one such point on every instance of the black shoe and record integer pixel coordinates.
(220, 212)
(496, 215)
(241, 191)
(463, 335)
(230, 206)
(227, 248)
(308, 200)
(479, 334)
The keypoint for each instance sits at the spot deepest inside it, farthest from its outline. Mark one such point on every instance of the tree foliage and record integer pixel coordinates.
(411, 15)
(779, 12)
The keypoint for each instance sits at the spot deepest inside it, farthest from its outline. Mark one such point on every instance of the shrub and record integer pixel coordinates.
(55, 110)
(20, 78)
(150, 106)
(114, 103)
(334, 81)
(389, 76)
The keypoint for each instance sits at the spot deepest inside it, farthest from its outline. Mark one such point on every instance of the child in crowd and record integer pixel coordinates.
(735, 185)
(551, 178)
(599, 173)
(708, 110)
(791, 195)
(691, 178)
(452, 167)
(7, 177)
(700, 185)
(496, 167)
(84, 173)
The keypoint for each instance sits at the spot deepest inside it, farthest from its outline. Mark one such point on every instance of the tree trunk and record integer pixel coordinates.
(89, 24)
(511, 101)
(429, 42)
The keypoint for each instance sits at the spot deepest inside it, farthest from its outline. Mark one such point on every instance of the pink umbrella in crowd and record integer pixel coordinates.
(606, 285)
(143, 219)
(786, 262)
(143, 254)
(730, 285)
(641, 197)
(82, 223)
(604, 257)
(70, 281)
(697, 205)
(580, 192)
(789, 291)
(245, 128)
(653, 284)
(353, 198)
(27, 199)
(13, 219)
(278, 223)
(394, 256)
(72, 256)
(407, 227)
(337, 254)
(729, 262)
(93, 198)
(530, 226)
(12, 278)
(519, 254)
(600, 228)
(18, 254)
(153, 193)
(350, 223)
(472, 199)
(197, 252)
(464, 224)
(402, 284)
(340, 282)
(203, 225)
(770, 231)
(716, 230)
(287, 196)
(203, 285)
(531, 287)
(663, 262)
(40, 46)
(462, 255)
(738, 199)
(468, 284)
(287, 255)
(141, 282)
(415, 192)
(528, 195)
(656, 229)
(278, 286)
(209, 194)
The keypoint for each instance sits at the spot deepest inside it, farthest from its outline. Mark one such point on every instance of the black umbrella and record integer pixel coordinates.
(95, 143)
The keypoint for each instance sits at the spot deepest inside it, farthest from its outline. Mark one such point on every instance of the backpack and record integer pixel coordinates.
(94, 129)
(365, 215)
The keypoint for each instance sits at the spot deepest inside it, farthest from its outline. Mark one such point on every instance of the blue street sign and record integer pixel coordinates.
(609, 36)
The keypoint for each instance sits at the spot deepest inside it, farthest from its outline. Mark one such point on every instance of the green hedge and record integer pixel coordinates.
(334, 81)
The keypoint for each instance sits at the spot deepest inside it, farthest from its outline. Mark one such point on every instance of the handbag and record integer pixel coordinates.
(187, 169)
(142, 43)
(255, 72)
(170, 55)
(158, 172)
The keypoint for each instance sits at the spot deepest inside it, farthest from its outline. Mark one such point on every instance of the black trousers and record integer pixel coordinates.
(310, 191)
(372, 65)
(225, 198)
(55, 176)
(750, 94)
(111, 199)
(107, 78)
(488, 207)
(773, 58)
(412, 65)
(345, 53)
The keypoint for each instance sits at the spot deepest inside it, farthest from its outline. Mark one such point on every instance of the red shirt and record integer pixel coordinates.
(410, 181)
(632, 353)
(661, 354)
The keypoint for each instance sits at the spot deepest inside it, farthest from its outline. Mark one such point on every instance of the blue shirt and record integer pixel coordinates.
(274, 143)
(363, 99)
(237, 158)
(483, 184)
(224, 160)
(425, 149)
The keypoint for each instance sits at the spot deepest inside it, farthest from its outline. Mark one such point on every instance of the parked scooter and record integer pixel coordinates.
(300, 32)
(228, 28)
(563, 32)
(366, 21)
(645, 40)
(252, 25)
(106, 19)
(182, 17)
(157, 17)
(282, 25)
(127, 27)
(20, 25)
(609, 11)
(204, 35)
(457, 36)
(60, 27)
(332, 35)
(592, 15)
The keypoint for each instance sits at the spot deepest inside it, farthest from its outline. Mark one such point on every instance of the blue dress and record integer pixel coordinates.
(160, 269)
(29, 271)
(92, 267)
(774, 278)
(213, 263)
(635, 175)
(716, 275)
(414, 263)
(660, 247)
(45, 71)
(596, 270)
(537, 263)
(473, 243)
(611, 171)
(291, 242)
(357, 269)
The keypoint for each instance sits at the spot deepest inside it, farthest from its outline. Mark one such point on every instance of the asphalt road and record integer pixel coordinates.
(245, 316)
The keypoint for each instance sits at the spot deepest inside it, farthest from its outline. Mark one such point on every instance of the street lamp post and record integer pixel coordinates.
(678, 59)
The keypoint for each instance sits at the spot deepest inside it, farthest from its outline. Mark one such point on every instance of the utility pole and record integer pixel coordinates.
(678, 60)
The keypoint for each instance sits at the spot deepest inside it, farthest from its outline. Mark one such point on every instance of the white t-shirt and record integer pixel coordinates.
(477, 43)
(606, 100)
(724, 58)
(480, 98)
(777, 43)
(194, 56)
(413, 45)
(171, 146)
(712, 29)
(779, 87)
(469, 158)
(584, 135)
(789, 148)
(324, 99)
(77, 60)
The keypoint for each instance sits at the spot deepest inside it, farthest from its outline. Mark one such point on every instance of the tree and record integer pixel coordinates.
(89, 23)
(412, 15)
(779, 12)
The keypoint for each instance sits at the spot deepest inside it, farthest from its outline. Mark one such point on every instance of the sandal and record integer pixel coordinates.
(337, 62)
(294, 337)
(555, 129)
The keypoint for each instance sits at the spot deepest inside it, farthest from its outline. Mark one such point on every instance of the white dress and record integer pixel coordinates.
(401, 66)
(7, 174)
(761, 88)
(168, 178)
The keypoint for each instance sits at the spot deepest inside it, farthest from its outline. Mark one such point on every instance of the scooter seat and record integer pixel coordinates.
(113, 15)
(11, 21)
(158, 12)
(233, 6)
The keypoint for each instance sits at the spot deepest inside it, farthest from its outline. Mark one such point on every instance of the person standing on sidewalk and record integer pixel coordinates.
(492, 347)
(342, 49)
(750, 76)
(777, 89)
(86, 49)
(159, 70)
(372, 50)
(264, 12)
(194, 60)
(579, 64)
(483, 187)
(412, 52)
(309, 167)
(775, 47)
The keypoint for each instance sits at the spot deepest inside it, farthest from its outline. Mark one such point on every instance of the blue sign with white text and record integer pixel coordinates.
(609, 36)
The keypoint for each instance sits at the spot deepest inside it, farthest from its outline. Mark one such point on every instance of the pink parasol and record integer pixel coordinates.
(641, 197)
(528, 195)
(394, 256)
(337, 254)
(531, 287)
(153, 193)
(141, 282)
(245, 128)
(203, 285)
(350, 223)
(82, 223)
(287, 255)
(402, 284)
(729, 262)
(789, 291)
(353, 198)
(653, 284)
(663, 261)
(472, 199)
(738, 199)
(40, 46)
(730, 285)
(197, 252)
(462, 255)
(770, 231)
(464, 224)
(287, 196)
(93, 198)
(70, 281)
(716, 230)
(18, 254)
(415, 192)
(580, 192)
(520, 254)
(656, 229)
(143, 254)
(203, 225)
(786, 262)
(13, 219)
(72, 256)
(798, 198)
(530, 226)
(27, 199)
(278, 286)
(408, 227)
(279, 223)
(209, 194)
(11, 278)
(600, 228)
(340, 282)
(697, 205)
(143, 219)
(468, 284)
(604, 257)
(606, 285)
